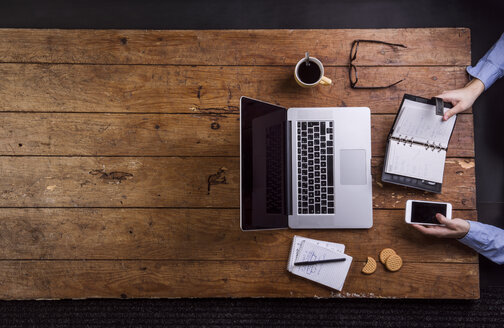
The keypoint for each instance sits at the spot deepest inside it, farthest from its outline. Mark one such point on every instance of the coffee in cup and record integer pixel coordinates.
(309, 72)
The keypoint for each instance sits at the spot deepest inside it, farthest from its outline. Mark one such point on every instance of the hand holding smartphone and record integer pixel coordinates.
(424, 212)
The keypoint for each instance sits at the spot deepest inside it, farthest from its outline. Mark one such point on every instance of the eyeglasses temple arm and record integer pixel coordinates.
(383, 42)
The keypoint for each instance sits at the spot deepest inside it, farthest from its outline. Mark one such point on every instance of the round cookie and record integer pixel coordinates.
(370, 266)
(385, 253)
(394, 262)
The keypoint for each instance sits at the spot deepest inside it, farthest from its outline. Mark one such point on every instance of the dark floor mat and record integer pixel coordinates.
(486, 312)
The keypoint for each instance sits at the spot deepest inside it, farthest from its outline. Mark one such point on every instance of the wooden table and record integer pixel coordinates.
(120, 162)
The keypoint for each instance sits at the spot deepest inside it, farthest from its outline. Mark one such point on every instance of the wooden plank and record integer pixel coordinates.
(202, 90)
(161, 135)
(196, 234)
(178, 182)
(118, 182)
(128, 279)
(119, 134)
(432, 46)
(459, 187)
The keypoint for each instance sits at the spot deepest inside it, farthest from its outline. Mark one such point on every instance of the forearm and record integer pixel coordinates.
(486, 240)
(475, 87)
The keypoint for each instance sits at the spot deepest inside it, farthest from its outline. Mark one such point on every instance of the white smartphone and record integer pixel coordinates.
(424, 212)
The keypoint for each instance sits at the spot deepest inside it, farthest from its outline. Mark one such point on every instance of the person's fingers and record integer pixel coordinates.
(420, 228)
(455, 110)
(443, 220)
(423, 229)
(430, 230)
(449, 96)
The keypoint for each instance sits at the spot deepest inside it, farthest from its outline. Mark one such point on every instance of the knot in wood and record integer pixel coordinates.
(218, 178)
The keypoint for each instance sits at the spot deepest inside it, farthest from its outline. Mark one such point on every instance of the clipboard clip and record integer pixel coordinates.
(439, 106)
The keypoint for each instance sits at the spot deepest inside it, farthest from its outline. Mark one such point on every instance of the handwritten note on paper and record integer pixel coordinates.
(415, 161)
(297, 241)
(331, 274)
(419, 122)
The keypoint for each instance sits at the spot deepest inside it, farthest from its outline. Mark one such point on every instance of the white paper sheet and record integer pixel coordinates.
(415, 161)
(331, 274)
(296, 244)
(419, 122)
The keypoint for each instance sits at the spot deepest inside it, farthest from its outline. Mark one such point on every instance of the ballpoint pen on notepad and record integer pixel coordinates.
(341, 259)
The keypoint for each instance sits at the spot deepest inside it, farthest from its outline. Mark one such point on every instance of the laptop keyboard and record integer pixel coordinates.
(315, 158)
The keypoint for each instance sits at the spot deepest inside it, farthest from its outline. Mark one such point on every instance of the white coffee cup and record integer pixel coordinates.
(310, 75)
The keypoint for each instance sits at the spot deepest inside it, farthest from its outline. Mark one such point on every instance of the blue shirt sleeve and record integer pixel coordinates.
(490, 68)
(486, 240)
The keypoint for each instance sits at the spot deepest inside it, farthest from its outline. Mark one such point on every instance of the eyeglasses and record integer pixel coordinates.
(352, 70)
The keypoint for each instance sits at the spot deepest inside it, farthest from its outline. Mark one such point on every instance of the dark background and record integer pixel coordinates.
(485, 18)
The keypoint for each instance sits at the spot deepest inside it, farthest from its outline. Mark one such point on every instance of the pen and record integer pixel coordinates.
(341, 259)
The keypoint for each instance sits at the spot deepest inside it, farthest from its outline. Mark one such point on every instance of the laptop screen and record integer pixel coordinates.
(263, 165)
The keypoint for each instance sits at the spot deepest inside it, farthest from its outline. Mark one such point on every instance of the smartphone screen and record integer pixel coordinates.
(426, 212)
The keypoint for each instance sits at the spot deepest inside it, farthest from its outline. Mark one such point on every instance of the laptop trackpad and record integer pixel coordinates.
(353, 166)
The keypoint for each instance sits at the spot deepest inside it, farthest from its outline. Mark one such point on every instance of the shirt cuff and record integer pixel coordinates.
(476, 237)
(485, 71)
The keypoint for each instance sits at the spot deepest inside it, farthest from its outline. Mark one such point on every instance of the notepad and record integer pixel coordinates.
(413, 160)
(419, 123)
(417, 145)
(329, 274)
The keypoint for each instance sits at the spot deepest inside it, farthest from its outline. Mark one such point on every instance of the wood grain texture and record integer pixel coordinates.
(120, 169)
(203, 90)
(126, 279)
(97, 134)
(435, 46)
(459, 187)
(119, 134)
(178, 182)
(118, 182)
(200, 234)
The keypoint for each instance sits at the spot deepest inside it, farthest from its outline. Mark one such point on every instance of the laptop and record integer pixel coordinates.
(304, 168)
